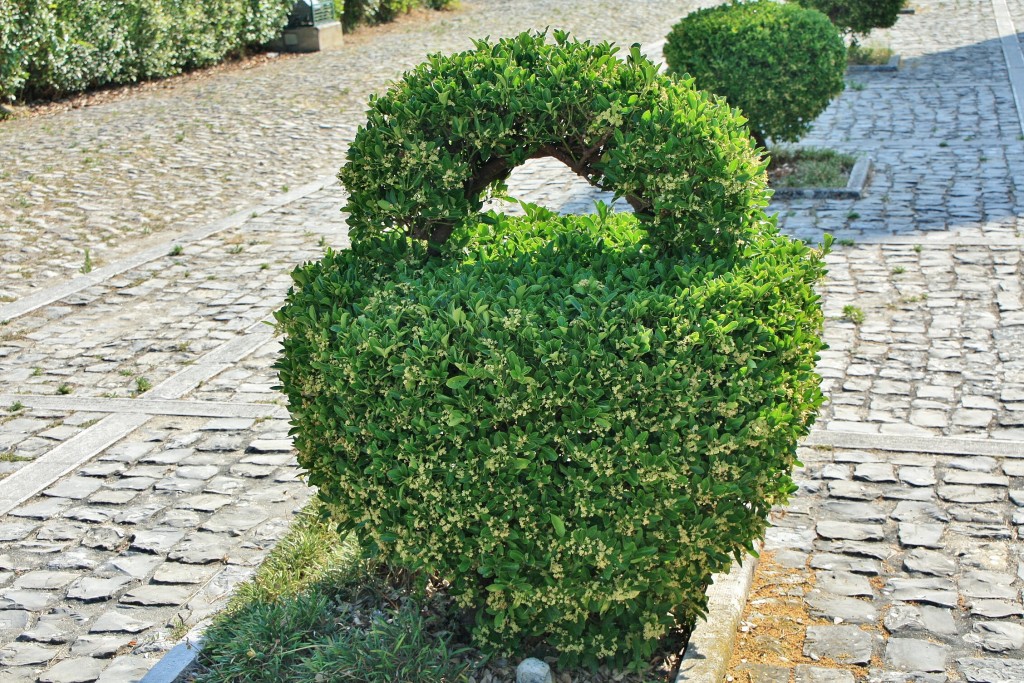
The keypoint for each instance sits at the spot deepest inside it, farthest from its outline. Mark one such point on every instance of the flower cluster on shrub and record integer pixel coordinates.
(779, 64)
(858, 16)
(65, 46)
(576, 421)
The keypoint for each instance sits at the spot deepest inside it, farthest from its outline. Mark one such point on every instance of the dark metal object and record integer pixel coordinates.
(311, 13)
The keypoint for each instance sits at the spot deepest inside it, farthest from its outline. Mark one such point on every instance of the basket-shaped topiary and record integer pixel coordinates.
(858, 16)
(574, 421)
(779, 64)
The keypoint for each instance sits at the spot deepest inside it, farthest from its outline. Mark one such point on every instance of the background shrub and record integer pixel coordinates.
(779, 64)
(49, 49)
(858, 16)
(575, 421)
(381, 11)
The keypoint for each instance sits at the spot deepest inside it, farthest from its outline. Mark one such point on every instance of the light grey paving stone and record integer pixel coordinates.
(104, 538)
(176, 572)
(181, 519)
(162, 595)
(234, 521)
(16, 531)
(179, 485)
(113, 497)
(127, 669)
(54, 631)
(94, 589)
(228, 424)
(102, 470)
(222, 443)
(933, 591)
(844, 644)
(923, 561)
(875, 472)
(1013, 468)
(913, 654)
(74, 670)
(975, 478)
(756, 673)
(205, 502)
(913, 534)
(803, 673)
(853, 490)
(201, 548)
(838, 609)
(42, 509)
(979, 584)
(996, 609)
(1017, 496)
(157, 541)
(45, 580)
(137, 566)
(845, 563)
(877, 551)
(918, 476)
(118, 621)
(58, 530)
(971, 494)
(14, 619)
(844, 583)
(974, 463)
(991, 669)
(850, 531)
(997, 636)
(166, 457)
(856, 512)
(33, 601)
(131, 484)
(91, 513)
(74, 488)
(26, 654)
(89, 645)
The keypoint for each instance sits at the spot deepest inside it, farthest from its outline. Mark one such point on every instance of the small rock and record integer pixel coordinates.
(533, 670)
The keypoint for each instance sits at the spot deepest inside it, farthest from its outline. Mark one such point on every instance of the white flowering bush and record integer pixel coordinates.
(574, 421)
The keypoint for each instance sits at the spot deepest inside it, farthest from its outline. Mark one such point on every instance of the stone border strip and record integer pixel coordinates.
(144, 406)
(48, 468)
(49, 295)
(707, 655)
(937, 445)
(73, 453)
(854, 189)
(891, 66)
(1012, 54)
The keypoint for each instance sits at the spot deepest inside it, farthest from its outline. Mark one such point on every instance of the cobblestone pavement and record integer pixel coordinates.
(145, 464)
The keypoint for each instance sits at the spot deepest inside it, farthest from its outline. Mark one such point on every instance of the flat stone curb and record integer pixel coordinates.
(936, 445)
(145, 406)
(891, 66)
(176, 662)
(854, 189)
(76, 451)
(1012, 54)
(707, 655)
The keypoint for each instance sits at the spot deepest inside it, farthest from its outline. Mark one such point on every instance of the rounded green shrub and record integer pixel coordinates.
(574, 421)
(858, 16)
(779, 64)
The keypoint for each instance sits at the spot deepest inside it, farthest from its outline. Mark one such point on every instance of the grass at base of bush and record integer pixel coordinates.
(868, 55)
(809, 167)
(317, 611)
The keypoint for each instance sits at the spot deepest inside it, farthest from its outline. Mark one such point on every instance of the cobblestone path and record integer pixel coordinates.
(146, 462)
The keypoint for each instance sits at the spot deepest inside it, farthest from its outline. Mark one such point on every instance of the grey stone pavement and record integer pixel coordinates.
(145, 459)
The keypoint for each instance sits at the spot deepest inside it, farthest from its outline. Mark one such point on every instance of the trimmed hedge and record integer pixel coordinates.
(574, 421)
(858, 16)
(53, 48)
(780, 64)
(381, 11)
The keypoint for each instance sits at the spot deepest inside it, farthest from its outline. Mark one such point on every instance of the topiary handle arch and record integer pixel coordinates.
(453, 127)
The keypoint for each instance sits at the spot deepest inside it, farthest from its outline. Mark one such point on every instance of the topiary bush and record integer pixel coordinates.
(574, 421)
(857, 16)
(50, 49)
(780, 64)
